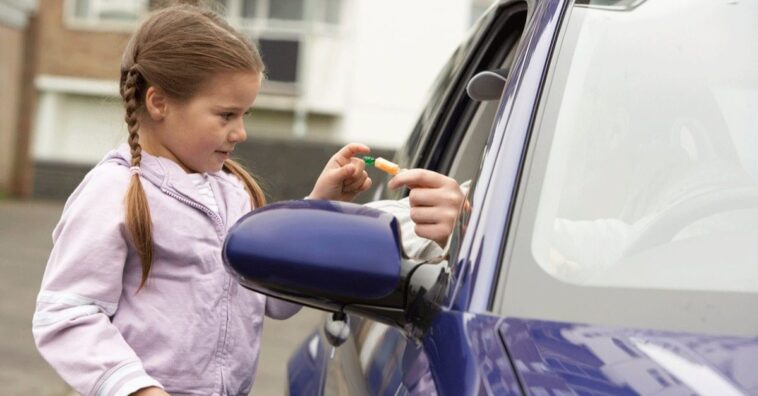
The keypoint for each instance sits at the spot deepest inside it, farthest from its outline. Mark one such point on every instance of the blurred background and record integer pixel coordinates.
(338, 71)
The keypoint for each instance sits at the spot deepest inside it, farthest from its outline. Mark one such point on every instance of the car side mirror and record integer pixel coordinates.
(334, 256)
(487, 84)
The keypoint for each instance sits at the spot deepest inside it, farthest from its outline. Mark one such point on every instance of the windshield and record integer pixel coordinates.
(638, 202)
(653, 165)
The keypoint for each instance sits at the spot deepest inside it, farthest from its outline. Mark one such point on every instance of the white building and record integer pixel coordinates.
(339, 70)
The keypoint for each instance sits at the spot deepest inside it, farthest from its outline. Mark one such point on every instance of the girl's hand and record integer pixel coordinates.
(344, 176)
(435, 201)
(151, 391)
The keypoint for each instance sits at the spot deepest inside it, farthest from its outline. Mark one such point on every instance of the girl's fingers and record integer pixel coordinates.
(355, 183)
(347, 171)
(355, 189)
(346, 153)
(366, 184)
(336, 177)
(360, 166)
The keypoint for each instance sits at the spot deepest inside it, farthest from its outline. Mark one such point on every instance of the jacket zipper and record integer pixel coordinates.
(219, 224)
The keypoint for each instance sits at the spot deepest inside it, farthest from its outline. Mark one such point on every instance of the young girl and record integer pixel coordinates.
(135, 299)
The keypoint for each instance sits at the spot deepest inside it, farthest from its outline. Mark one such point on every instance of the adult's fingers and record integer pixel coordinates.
(442, 197)
(434, 232)
(423, 197)
(428, 215)
(415, 178)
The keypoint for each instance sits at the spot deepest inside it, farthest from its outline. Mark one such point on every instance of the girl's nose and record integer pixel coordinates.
(238, 134)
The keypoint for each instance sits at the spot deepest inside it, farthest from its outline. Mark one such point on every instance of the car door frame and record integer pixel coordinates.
(478, 263)
(445, 133)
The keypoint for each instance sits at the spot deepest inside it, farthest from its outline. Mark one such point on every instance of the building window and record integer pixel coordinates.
(331, 14)
(285, 30)
(106, 13)
(291, 10)
(287, 11)
(281, 58)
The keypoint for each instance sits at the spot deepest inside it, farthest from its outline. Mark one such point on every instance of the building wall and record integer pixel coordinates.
(364, 81)
(78, 114)
(12, 50)
(397, 48)
(75, 51)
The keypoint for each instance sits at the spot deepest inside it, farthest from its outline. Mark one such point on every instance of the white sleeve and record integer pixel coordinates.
(414, 245)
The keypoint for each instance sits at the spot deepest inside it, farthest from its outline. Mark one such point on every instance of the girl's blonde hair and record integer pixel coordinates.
(177, 49)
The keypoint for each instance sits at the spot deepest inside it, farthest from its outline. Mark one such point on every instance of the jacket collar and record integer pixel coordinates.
(168, 175)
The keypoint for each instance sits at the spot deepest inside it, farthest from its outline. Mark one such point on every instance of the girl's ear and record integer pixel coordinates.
(156, 103)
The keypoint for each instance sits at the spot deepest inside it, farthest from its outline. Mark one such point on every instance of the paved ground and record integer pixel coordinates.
(25, 229)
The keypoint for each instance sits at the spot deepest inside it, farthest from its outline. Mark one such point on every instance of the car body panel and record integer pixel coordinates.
(461, 354)
(557, 357)
(306, 367)
(468, 357)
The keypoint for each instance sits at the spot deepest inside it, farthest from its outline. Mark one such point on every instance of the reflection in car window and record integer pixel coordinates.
(652, 175)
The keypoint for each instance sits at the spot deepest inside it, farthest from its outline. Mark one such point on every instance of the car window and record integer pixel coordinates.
(465, 126)
(444, 122)
(639, 199)
(414, 152)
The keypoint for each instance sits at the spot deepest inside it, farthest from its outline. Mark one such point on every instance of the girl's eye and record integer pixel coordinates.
(227, 116)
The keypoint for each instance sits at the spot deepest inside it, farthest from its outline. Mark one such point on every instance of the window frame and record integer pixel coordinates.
(442, 125)
(94, 23)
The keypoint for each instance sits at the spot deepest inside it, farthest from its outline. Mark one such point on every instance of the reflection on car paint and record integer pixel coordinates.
(467, 356)
(305, 369)
(563, 357)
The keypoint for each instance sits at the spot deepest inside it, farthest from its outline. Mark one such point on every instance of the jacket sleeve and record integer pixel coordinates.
(81, 289)
(280, 309)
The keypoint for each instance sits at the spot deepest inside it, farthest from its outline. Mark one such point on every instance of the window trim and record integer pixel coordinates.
(458, 108)
(73, 22)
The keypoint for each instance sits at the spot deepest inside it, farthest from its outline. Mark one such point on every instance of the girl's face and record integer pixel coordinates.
(200, 134)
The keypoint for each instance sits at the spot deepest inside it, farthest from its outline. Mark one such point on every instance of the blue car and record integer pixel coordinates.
(609, 242)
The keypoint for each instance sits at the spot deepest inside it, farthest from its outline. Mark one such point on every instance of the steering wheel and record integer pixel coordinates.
(665, 226)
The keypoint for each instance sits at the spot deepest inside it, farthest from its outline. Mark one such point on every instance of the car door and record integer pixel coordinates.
(449, 137)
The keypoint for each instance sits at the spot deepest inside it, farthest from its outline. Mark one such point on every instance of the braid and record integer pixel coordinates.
(138, 220)
(129, 92)
(257, 197)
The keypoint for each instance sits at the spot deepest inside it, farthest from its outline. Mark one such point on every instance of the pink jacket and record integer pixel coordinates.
(192, 330)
